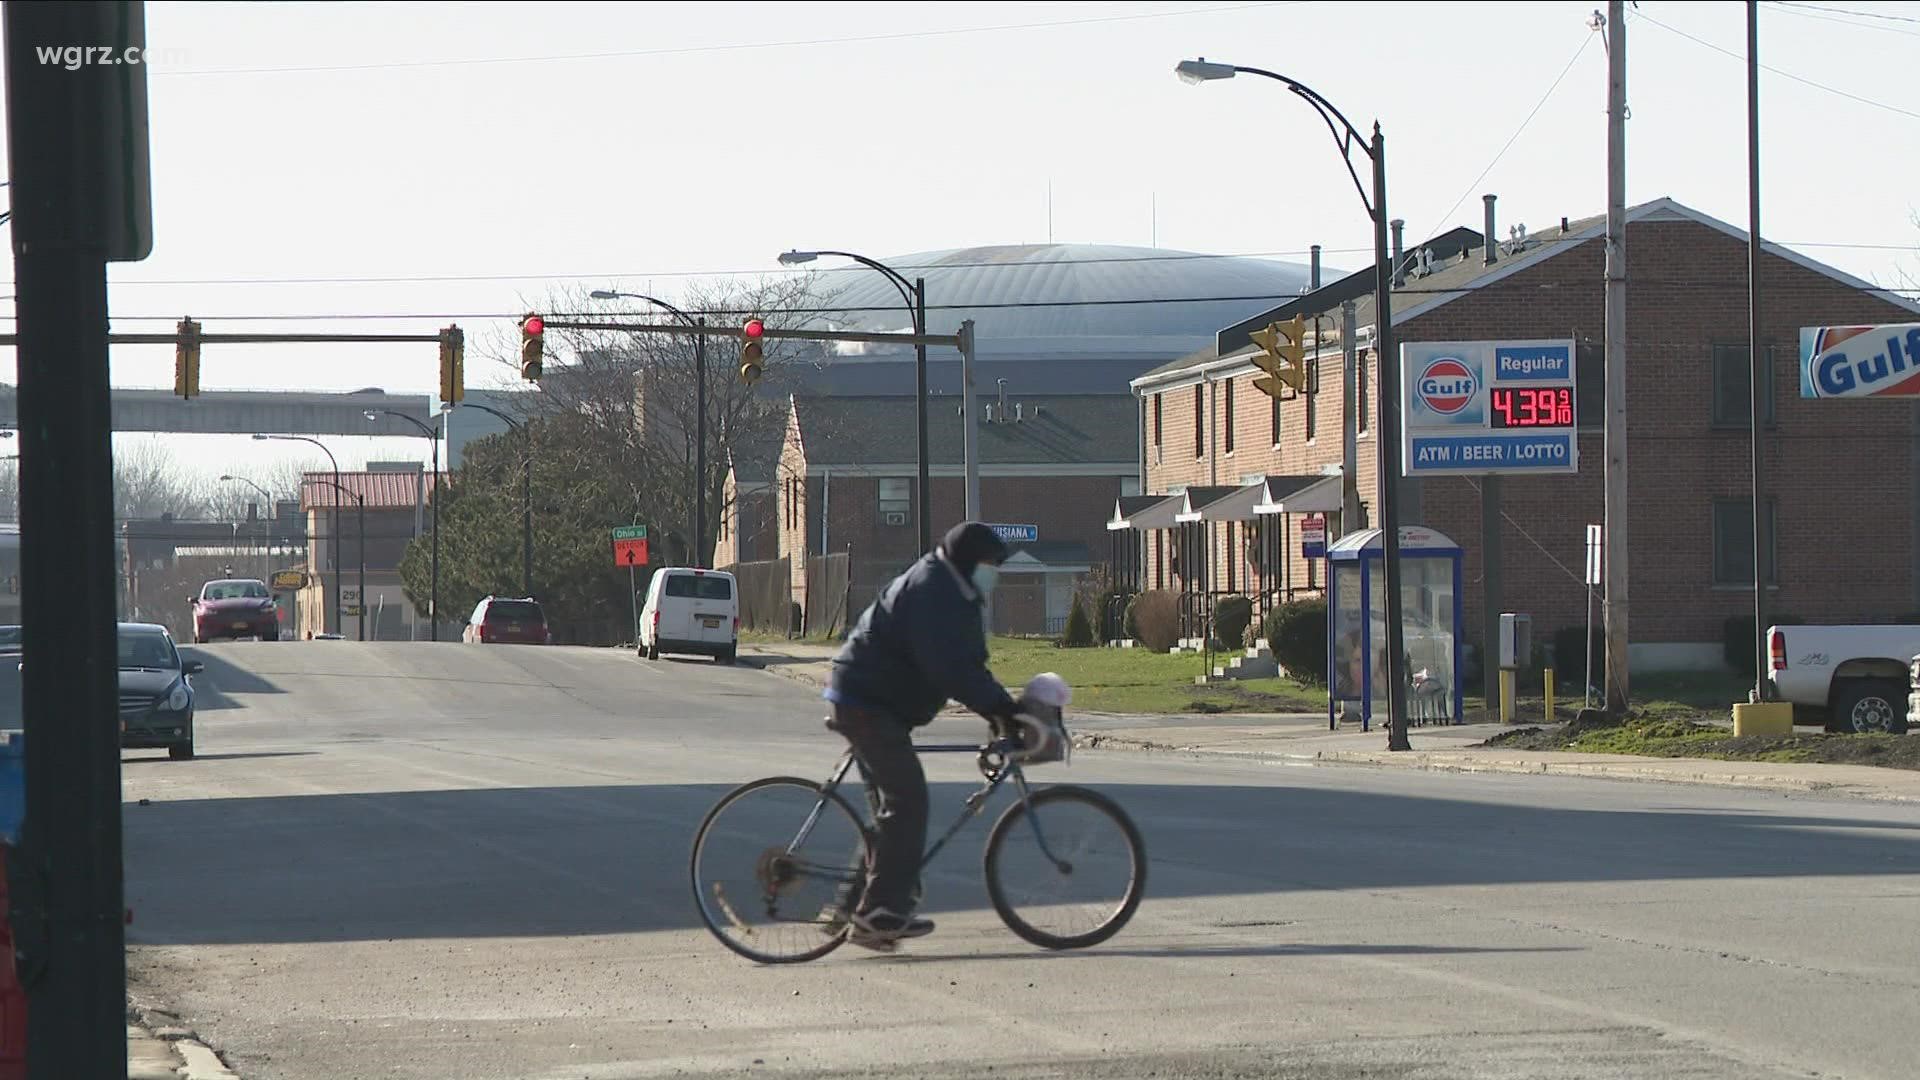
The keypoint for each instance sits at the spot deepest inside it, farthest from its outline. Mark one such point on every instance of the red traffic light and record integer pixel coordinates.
(755, 328)
(534, 325)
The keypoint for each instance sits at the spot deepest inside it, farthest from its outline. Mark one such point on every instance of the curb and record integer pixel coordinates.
(198, 1060)
(1429, 762)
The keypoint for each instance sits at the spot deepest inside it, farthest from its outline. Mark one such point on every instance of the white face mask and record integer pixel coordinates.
(985, 577)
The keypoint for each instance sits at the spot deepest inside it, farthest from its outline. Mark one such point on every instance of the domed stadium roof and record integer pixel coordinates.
(1043, 300)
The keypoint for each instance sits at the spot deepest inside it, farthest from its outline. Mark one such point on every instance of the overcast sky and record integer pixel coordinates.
(455, 161)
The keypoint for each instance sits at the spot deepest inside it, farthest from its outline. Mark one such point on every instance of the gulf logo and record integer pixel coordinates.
(1446, 386)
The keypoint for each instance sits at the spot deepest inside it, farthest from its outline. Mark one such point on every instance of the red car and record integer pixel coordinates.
(501, 621)
(234, 608)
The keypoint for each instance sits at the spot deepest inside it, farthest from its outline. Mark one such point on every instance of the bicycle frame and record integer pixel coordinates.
(995, 767)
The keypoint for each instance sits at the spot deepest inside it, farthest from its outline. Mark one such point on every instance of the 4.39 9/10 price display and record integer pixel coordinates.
(1532, 407)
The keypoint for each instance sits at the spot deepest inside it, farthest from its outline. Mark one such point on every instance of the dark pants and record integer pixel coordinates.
(897, 791)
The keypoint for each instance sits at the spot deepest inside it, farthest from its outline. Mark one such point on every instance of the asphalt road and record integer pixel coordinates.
(447, 861)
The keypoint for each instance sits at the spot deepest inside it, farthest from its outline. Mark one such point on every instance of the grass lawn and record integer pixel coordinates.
(1138, 681)
(1677, 695)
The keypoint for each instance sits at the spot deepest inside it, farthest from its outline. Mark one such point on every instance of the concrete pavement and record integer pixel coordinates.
(428, 861)
(1304, 739)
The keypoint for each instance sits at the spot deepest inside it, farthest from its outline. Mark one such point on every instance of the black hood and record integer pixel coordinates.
(971, 543)
(136, 681)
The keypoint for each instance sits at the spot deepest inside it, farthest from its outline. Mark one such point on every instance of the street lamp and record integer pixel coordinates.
(1346, 138)
(915, 294)
(337, 627)
(266, 549)
(433, 597)
(699, 408)
(361, 544)
(526, 496)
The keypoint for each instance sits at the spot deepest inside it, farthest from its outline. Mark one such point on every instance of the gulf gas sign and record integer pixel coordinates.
(1860, 361)
(1479, 408)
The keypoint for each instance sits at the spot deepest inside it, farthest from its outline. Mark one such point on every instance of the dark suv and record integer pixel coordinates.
(235, 608)
(500, 620)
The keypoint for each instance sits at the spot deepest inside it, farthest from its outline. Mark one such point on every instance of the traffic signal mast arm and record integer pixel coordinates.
(952, 340)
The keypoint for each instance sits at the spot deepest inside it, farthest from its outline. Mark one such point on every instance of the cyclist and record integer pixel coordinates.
(919, 645)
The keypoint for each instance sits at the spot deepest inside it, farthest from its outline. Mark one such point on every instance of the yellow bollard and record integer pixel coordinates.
(1506, 697)
(1549, 677)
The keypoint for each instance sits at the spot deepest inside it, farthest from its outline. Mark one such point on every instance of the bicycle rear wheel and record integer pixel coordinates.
(1065, 868)
(777, 866)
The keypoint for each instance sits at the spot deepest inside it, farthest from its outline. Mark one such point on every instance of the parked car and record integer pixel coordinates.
(1850, 678)
(156, 692)
(234, 608)
(500, 620)
(691, 611)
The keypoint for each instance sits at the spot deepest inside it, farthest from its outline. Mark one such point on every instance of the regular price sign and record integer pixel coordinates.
(1487, 408)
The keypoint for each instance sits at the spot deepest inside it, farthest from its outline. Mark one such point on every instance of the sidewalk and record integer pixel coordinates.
(168, 1053)
(1304, 740)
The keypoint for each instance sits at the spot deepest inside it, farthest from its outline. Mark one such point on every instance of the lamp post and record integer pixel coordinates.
(266, 550)
(915, 294)
(433, 599)
(362, 546)
(1346, 138)
(699, 409)
(526, 494)
(337, 627)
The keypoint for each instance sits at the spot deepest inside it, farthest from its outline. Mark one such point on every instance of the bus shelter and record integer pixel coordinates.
(1430, 608)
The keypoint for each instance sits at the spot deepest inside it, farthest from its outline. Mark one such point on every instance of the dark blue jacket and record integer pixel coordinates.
(920, 645)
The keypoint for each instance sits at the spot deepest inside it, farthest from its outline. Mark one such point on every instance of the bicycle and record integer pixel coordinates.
(757, 903)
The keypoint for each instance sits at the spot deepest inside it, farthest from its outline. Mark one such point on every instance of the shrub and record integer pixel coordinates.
(1231, 616)
(1102, 603)
(1079, 628)
(1153, 620)
(1737, 635)
(1297, 633)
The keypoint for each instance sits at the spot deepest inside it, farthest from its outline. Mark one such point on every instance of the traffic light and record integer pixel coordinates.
(186, 359)
(752, 366)
(1283, 356)
(533, 332)
(453, 364)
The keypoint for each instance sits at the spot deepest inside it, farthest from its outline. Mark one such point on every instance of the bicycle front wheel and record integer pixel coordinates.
(777, 867)
(1065, 868)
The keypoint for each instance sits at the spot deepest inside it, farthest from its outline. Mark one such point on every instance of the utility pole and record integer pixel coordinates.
(1349, 421)
(1616, 358)
(76, 145)
(1490, 553)
(700, 549)
(1761, 372)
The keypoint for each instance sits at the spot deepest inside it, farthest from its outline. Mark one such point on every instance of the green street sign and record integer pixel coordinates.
(630, 532)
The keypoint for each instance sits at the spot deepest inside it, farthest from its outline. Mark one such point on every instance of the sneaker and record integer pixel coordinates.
(881, 930)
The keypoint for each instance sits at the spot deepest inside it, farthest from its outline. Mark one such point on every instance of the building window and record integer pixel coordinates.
(1361, 412)
(1732, 405)
(1273, 405)
(1156, 420)
(1233, 555)
(1199, 420)
(1229, 418)
(1590, 385)
(1733, 542)
(1312, 414)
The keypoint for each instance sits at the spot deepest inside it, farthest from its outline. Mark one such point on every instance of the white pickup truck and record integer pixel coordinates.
(1854, 678)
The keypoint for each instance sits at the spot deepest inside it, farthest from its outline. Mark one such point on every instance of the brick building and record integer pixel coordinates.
(396, 512)
(845, 486)
(1841, 474)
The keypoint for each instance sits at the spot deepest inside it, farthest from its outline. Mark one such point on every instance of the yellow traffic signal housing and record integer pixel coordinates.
(752, 362)
(453, 364)
(1283, 356)
(533, 332)
(186, 359)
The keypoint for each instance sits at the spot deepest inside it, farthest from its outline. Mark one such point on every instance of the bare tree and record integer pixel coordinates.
(148, 482)
(638, 393)
(230, 500)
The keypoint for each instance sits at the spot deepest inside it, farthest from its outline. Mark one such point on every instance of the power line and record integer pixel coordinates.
(1854, 23)
(421, 279)
(1585, 41)
(1845, 11)
(1783, 74)
(733, 47)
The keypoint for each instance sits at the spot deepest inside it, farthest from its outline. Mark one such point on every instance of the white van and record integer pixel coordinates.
(691, 611)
